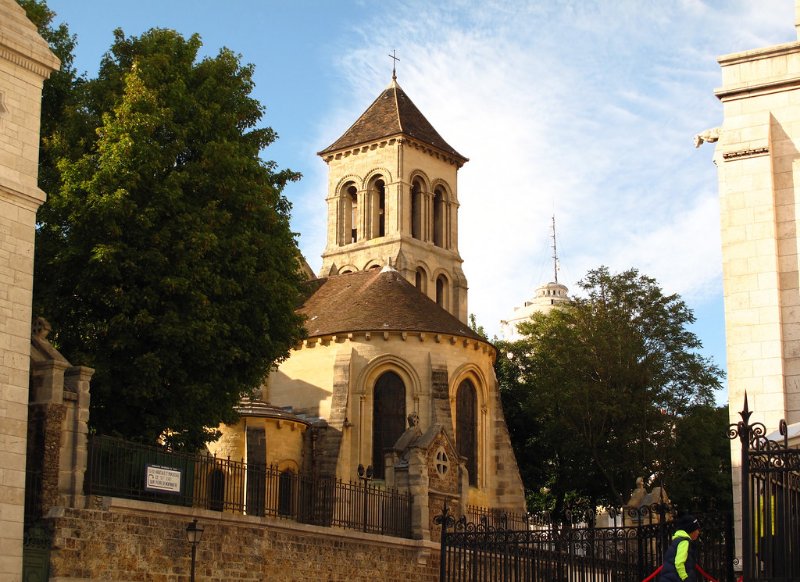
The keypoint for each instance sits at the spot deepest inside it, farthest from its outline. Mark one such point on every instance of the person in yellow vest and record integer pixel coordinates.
(681, 555)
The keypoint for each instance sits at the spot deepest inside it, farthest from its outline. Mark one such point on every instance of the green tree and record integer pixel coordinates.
(594, 390)
(164, 258)
(698, 467)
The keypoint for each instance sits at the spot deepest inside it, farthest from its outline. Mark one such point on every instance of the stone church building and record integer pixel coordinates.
(390, 371)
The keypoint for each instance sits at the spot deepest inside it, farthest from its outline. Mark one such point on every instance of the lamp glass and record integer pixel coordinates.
(194, 532)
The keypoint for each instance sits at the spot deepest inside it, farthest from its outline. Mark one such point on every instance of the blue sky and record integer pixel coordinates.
(582, 109)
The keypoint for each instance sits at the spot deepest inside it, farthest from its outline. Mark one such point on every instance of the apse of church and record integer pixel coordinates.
(390, 375)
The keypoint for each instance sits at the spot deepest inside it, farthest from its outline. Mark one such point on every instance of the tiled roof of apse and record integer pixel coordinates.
(375, 300)
(392, 113)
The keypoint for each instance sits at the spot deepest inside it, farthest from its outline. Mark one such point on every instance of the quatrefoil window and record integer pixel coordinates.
(442, 462)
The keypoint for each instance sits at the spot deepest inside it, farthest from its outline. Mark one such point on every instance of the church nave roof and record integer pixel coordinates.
(375, 300)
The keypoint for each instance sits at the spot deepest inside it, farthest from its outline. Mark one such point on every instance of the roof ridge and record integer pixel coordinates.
(395, 86)
(352, 125)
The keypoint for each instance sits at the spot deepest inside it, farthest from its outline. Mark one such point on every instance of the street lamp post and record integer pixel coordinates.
(366, 476)
(194, 533)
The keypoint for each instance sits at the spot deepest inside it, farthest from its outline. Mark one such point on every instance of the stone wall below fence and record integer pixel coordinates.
(126, 541)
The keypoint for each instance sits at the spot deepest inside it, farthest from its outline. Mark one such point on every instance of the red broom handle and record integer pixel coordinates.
(705, 574)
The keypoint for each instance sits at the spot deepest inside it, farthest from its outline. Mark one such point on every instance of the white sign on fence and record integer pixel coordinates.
(158, 478)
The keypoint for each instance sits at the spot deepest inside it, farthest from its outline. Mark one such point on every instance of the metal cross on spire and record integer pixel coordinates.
(394, 68)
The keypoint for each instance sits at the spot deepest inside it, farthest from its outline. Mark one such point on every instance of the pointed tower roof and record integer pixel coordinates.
(392, 113)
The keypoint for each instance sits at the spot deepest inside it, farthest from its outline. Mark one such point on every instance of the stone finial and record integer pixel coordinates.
(638, 494)
(708, 136)
(413, 419)
(41, 328)
(388, 267)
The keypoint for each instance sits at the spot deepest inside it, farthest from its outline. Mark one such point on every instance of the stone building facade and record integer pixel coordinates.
(547, 296)
(25, 62)
(758, 161)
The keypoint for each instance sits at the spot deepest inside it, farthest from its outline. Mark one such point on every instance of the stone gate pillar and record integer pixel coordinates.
(58, 423)
(25, 62)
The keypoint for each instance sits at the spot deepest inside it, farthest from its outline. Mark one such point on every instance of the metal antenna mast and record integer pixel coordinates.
(555, 253)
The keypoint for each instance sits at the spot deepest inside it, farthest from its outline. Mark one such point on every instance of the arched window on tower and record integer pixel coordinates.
(378, 208)
(416, 209)
(438, 217)
(388, 417)
(421, 280)
(467, 428)
(441, 291)
(350, 214)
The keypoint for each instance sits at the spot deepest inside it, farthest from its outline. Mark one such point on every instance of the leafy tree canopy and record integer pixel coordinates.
(164, 256)
(599, 392)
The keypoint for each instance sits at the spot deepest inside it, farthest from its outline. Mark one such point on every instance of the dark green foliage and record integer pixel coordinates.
(699, 466)
(164, 256)
(596, 393)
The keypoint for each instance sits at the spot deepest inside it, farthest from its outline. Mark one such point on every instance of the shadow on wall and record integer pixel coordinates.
(784, 159)
(302, 396)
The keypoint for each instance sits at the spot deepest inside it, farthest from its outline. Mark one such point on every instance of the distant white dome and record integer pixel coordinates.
(545, 298)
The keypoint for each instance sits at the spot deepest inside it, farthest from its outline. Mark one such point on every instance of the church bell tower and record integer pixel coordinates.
(393, 200)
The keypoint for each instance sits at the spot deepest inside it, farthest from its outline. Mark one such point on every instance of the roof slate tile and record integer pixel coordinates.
(375, 300)
(392, 113)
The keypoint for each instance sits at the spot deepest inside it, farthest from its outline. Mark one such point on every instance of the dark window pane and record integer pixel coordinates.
(388, 417)
(467, 428)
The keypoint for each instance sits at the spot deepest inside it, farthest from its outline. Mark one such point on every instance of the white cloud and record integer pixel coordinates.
(585, 110)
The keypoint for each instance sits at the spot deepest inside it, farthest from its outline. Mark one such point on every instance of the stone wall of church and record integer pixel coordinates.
(141, 541)
(419, 359)
(284, 438)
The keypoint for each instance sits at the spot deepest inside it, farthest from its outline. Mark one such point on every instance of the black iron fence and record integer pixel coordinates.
(37, 537)
(770, 503)
(120, 468)
(487, 550)
(498, 518)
